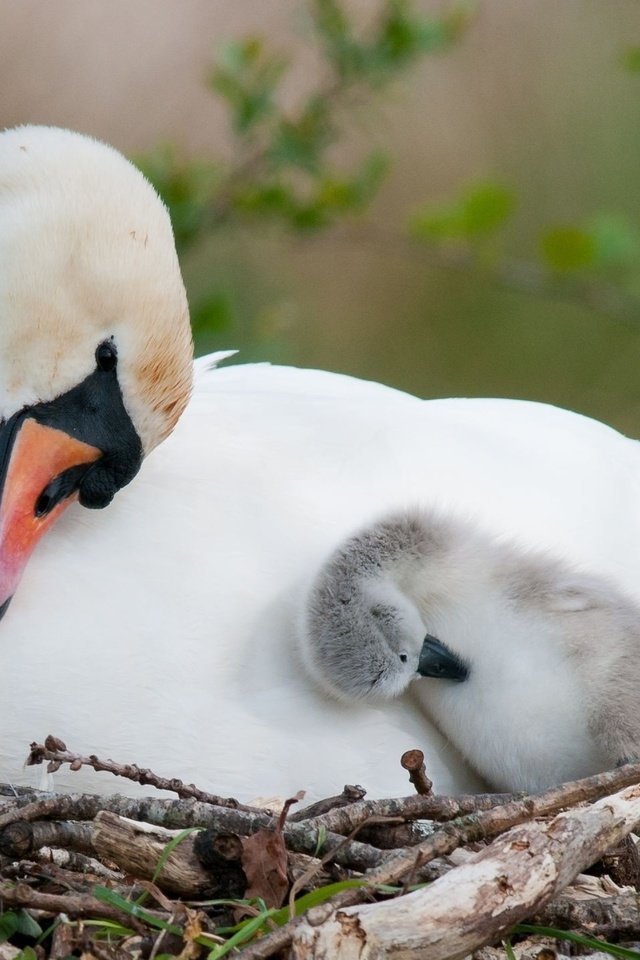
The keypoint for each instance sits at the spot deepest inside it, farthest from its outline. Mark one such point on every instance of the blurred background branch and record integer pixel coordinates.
(442, 195)
(282, 170)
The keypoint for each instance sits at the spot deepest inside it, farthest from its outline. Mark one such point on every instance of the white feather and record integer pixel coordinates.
(161, 629)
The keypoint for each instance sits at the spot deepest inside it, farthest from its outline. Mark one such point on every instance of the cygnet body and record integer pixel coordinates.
(529, 666)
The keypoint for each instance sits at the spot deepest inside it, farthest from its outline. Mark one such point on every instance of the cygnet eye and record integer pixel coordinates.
(106, 356)
(403, 657)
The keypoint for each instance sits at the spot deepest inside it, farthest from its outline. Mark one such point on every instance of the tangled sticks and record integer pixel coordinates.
(93, 858)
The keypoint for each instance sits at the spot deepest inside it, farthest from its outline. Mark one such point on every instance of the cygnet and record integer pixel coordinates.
(530, 666)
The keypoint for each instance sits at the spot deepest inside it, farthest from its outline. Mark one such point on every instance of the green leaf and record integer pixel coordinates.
(616, 241)
(486, 207)
(9, 923)
(27, 925)
(27, 953)
(343, 51)
(272, 197)
(403, 37)
(481, 209)
(301, 142)
(331, 21)
(567, 248)
(107, 928)
(239, 55)
(341, 194)
(631, 59)
(320, 841)
(246, 76)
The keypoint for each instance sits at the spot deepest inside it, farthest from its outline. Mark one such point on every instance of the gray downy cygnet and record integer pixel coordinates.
(529, 666)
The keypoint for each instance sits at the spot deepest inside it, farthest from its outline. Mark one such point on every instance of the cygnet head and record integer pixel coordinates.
(362, 635)
(95, 342)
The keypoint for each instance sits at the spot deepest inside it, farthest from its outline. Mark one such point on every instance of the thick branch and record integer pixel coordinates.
(617, 917)
(452, 835)
(480, 901)
(299, 837)
(74, 905)
(137, 850)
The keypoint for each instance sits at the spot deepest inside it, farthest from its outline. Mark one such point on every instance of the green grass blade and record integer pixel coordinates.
(134, 910)
(580, 938)
(164, 856)
(249, 928)
(508, 949)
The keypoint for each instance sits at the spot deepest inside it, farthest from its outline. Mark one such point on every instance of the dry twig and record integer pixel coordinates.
(452, 835)
(55, 751)
(413, 762)
(480, 901)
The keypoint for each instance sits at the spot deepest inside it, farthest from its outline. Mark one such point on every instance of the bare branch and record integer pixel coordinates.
(350, 794)
(413, 761)
(73, 905)
(519, 276)
(55, 751)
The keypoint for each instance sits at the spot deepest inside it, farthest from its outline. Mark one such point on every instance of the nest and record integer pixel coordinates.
(423, 876)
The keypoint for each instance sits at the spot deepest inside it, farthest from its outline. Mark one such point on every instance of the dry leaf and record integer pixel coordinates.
(264, 861)
(192, 929)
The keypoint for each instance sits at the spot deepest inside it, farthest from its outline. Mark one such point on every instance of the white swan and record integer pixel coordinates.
(530, 666)
(161, 629)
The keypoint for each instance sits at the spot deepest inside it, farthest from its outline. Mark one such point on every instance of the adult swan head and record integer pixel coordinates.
(96, 351)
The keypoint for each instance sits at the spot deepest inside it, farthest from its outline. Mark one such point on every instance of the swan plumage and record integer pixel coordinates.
(87, 253)
(531, 666)
(162, 629)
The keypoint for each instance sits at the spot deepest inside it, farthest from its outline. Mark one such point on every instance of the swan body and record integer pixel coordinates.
(535, 671)
(161, 630)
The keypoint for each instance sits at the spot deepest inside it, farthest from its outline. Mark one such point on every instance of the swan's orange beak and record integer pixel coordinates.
(38, 479)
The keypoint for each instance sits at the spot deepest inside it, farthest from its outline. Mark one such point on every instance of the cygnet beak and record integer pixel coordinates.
(40, 467)
(436, 660)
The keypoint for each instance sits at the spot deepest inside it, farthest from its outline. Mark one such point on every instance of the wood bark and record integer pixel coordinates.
(303, 837)
(617, 917)
(476, 903)
(137, 850)
(190, 870)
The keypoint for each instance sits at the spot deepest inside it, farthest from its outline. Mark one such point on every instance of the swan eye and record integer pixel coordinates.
(106, 356)
(403, 657)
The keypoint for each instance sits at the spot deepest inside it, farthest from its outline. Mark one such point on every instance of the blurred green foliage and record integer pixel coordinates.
(567, 248)
(479, 210)
(631, 59)
(284, 170)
